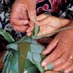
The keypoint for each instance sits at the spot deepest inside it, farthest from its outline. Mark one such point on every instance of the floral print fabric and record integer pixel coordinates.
(5, 8)
(54, 7)
(64, 10)
(60, 8)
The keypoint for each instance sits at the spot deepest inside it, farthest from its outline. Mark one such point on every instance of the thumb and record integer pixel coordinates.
(31, 7)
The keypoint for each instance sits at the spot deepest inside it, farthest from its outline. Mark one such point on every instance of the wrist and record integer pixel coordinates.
(64, 22)
(70, 27)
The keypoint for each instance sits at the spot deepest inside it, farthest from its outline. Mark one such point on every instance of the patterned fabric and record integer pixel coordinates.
(60, 8)
(5, 7)
(53, 7)
(49, 5)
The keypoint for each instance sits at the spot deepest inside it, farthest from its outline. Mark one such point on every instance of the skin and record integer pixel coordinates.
(22, 16)
(63, 49)
(51, 72)
(51, 23)
(62, 43)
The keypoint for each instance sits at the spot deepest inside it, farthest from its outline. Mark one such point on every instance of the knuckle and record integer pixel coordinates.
(63, 61)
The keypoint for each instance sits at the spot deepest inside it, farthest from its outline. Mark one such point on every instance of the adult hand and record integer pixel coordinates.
(49, 24)
(22, 15)
(51, 72)
(62, 55)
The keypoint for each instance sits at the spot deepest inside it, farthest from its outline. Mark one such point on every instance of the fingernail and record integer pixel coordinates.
(26, 22)
(45, 68)
(38, 34)
(44, 63)
(37, 19)
(43, 52)
(49, 67)
(29, 34)
(66, 71)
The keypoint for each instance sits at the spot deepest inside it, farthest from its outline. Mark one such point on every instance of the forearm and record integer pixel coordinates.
(68, 27)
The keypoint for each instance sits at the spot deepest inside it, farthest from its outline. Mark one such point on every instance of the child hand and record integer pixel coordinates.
(22, 16)
(49, 24)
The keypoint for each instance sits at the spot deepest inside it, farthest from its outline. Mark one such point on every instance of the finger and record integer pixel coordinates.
(70, 69)
(31, 27)
(17, 18)
(42, 31)
(20, 29)
(19, 22)
(51, 46)
(52, 57)
(19, 13)
(51, 72)
(44, 21)
(29, 33)
(46, 32)
(31, 7)
(59, 64)
(41, 17)
(68, 64)
(65, 66)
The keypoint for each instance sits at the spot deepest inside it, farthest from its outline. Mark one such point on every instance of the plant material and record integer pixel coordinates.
(23, 56)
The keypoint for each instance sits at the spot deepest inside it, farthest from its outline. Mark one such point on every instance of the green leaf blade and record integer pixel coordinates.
(6, 35)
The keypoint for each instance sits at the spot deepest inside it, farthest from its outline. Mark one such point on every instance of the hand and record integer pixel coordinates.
(49, 24)
(51, 72)
(62, 54)
(22, 16)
